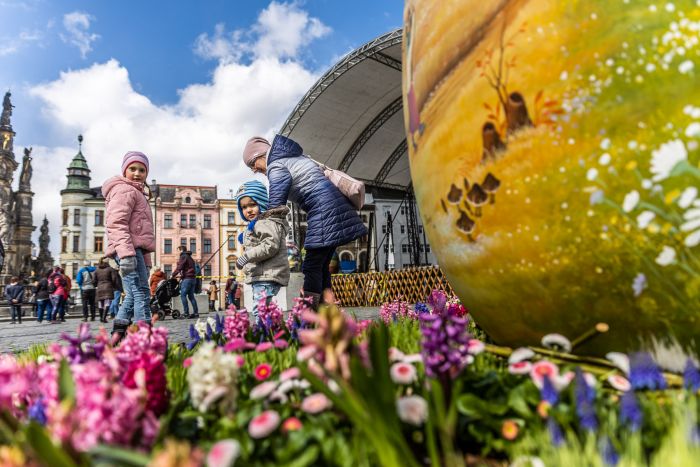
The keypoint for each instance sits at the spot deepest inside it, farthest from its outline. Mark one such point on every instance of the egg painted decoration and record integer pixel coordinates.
(554, 152)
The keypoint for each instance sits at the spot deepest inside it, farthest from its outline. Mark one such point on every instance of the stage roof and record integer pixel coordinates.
(352, 118)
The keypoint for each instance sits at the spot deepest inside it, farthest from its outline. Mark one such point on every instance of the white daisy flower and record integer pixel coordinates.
(556, 342)
(665, 158)
(604, 159)
(666, 257)
(693, 130)
(686, 66)
(644, 219)
(687, 197)
(520, 354)
(631, 200)
(620, 360)
(592, 174)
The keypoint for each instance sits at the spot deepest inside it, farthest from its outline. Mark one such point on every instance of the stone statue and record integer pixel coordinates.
(5, 226)
(44, 238)
(26, 175)
(7, 142)
(6, 110)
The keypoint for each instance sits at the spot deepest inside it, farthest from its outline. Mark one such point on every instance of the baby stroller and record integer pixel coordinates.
(160, 302)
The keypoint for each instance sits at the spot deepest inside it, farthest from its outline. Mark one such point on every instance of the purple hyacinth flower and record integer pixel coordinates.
(630, 412)
(608, 452)
(645, 373)
(194, 336)
(555, 432)
(421, 308)
(691, 376)
(548, 392)
(37, 412)
(219, 327)
(585, 399)
(208, 333)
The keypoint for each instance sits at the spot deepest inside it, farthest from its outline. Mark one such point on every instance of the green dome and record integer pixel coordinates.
(78, 172)
(79, 162)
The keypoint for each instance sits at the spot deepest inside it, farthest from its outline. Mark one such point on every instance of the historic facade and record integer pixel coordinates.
(188, 216)
(83, 234)
(16, 222)
(230, 225)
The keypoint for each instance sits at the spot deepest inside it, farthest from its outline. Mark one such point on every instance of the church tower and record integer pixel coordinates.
(78, 173)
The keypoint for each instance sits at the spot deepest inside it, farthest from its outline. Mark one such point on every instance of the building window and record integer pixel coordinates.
(65, 217)
(231, 217)
(206, 245)
(207, 270)
(183, 243)
(193, 245)
(193, 221)
(183, 221)
(76, 243)
(404, 248)
(99, 245)
(427, 248)
(64, 244)
(231, 268)
(168, 246)
(168, 221)
(76, 217)
(75, 269)
(384, 229)
(99, 217)
(168, 269)
(188, 200)
(231, 241)
(403, 211)
(420, 229)
(207, 221)
(403, 228)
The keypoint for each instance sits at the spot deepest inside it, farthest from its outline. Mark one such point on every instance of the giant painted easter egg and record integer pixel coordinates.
(554, 154)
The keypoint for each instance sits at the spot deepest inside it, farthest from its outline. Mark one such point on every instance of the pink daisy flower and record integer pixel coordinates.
(315, 403)
(264, 424)
(263, 371)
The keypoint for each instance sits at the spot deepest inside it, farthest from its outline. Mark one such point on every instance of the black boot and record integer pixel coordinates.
(102, 315)
(313, 298)
(118, 333)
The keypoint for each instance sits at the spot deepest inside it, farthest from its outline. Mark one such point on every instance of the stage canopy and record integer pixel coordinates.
(352, 118)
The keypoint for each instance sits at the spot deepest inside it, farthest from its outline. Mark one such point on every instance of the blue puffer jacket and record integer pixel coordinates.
(332, 220)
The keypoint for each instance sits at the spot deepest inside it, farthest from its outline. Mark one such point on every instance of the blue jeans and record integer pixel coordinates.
(187, 291)
(138, 294)
(262, 289)
(58, 307)
(114, 307)
(42, 306)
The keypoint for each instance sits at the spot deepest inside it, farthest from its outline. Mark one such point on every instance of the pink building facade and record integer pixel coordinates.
(188, 216)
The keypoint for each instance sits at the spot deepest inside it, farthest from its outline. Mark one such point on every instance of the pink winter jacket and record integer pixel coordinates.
(129, 220)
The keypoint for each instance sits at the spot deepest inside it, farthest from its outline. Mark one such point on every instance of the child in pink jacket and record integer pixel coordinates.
(130, 238)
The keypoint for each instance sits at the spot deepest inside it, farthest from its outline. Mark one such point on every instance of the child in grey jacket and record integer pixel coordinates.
(264, 241)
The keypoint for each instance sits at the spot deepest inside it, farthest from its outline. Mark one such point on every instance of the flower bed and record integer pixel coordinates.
(415, 388)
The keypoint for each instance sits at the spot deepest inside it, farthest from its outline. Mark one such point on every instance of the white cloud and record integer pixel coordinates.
(77, 25)
(198, 140)
(11, 45)
(281, 31)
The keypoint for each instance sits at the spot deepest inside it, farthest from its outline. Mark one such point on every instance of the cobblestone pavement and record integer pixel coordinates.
(16, 337)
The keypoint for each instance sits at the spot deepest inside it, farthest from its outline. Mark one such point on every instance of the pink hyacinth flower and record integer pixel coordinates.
(264, 424)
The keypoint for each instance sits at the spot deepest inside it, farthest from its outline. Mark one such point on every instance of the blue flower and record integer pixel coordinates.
(608, 452)
(421, 308)
(585, 398)
(37, 412)
(209, 332)
(219, 328)
(194, 336)
(548, 392)
(555, 432)
(630, 412)
(691, 376)
(644, 373)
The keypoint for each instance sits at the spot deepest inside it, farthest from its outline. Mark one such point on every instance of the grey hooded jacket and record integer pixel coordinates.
(266, 248)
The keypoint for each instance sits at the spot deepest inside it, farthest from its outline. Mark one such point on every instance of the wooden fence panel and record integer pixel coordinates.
(375, 288)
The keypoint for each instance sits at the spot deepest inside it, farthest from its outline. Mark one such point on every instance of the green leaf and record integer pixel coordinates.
(517, 402)
(66, 385)
(307, 458)
(119, 456)
(44, 449)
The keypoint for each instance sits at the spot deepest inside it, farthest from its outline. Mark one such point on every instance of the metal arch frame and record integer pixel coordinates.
(368, 50)
(389, 111)
(391, 162)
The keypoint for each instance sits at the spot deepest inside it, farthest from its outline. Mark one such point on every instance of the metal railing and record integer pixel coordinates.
(375, 288)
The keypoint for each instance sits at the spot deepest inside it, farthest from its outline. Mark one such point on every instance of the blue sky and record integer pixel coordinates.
(187, 82)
